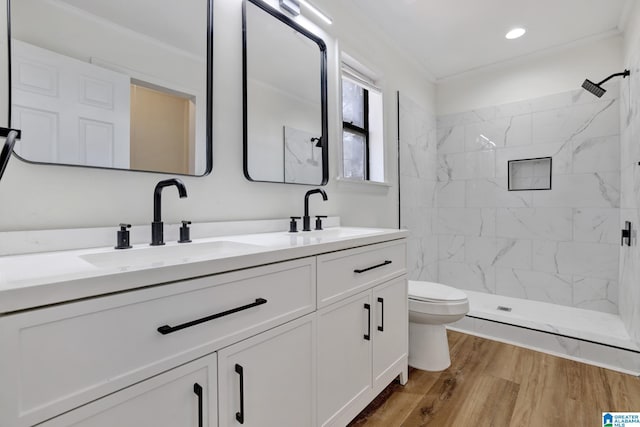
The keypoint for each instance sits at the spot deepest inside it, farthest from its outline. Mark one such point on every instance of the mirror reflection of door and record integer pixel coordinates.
(84, 71)
(69, 111)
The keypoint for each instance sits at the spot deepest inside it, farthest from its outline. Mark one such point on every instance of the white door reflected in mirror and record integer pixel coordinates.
(114, 84)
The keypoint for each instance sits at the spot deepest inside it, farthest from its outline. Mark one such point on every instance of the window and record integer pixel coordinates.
(362, 136)
(355, 130)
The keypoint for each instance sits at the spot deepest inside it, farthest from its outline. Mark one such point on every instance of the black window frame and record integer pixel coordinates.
(362, 131)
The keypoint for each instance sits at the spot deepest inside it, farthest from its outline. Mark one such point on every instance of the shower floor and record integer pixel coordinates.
(585, 335)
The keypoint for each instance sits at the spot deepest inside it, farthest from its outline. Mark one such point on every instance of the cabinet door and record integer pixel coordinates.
(185, 396)
(344, 357)
(269, 380)
(390, 333)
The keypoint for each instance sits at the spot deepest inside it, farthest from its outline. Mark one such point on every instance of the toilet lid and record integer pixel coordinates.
(430, 291)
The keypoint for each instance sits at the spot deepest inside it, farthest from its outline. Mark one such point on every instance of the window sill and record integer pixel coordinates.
(342, 179)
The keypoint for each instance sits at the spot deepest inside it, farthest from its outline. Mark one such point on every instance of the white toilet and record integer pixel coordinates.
(431, 306)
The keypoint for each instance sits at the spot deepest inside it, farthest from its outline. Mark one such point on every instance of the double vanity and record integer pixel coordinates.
(267, 329)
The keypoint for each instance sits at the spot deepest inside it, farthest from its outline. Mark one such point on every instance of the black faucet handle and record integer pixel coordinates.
(626, 234)
(123, 241)
(293, 225)
(185, 232)
(319, 221)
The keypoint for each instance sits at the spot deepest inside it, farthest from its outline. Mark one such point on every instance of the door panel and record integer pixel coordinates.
(391, 343)
(269, 380)
(344, 355)
(76, 93)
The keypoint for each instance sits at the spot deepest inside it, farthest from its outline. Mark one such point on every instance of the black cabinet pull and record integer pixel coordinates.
(381, 301)
(197, 389)
(367, 336)
(240, 415)
(387, 262)
(166, 329)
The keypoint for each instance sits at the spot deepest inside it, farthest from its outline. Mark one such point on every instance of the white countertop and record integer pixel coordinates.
(35, 280)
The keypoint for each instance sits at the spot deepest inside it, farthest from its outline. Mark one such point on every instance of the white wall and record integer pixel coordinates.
(530, 77)
(629, 294)
(418, 185)
(558, 245)
(42, 197)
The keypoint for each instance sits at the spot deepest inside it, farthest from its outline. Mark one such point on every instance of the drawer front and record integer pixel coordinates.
(61, 357)
(345, 273)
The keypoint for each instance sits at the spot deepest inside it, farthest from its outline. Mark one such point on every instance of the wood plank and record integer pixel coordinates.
(481, 408)
(530, 404)
(495, 384)
(397, 401)
(441, 402)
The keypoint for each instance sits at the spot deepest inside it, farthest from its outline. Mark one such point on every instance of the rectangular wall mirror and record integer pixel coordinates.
(122, 84)
(285, 99)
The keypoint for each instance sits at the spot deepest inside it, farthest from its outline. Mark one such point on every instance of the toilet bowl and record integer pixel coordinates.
(431, 306)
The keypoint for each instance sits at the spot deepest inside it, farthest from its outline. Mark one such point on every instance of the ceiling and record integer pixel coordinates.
(175, 23)
(449, 37)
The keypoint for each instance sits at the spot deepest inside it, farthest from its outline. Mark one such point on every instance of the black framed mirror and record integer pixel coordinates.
(284, 99)
(115, 84)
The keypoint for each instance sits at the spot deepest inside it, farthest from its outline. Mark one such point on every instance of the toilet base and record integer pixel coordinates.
(428, 347)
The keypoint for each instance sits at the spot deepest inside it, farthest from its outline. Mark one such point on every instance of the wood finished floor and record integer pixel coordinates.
(494, 384)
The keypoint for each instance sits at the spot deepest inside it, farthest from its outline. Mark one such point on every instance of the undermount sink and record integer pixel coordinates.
(163, 255)
(337, 233)
(304, 237)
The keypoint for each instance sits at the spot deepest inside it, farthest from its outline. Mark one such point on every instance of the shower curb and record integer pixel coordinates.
(603, 355)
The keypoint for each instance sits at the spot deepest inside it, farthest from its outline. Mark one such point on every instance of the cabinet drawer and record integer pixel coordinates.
(345, 273)
(60, 357)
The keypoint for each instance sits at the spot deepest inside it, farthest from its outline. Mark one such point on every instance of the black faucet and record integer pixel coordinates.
(306, 220)
(157, 227)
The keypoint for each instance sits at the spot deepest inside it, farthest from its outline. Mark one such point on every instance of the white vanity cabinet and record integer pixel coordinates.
(303, 336)
(363, 338)
(269, 380)
(58, 358)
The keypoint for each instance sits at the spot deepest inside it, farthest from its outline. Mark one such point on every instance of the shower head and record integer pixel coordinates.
(312, 161)
(597, 89)
(593, 88)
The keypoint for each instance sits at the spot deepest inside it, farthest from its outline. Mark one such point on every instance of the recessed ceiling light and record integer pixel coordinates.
(515, 33)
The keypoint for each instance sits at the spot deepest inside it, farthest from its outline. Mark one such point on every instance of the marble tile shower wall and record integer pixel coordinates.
(630, 188)
(418, 164)
(559, 245)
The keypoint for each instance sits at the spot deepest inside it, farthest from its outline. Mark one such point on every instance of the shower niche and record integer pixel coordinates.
(529, 174)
